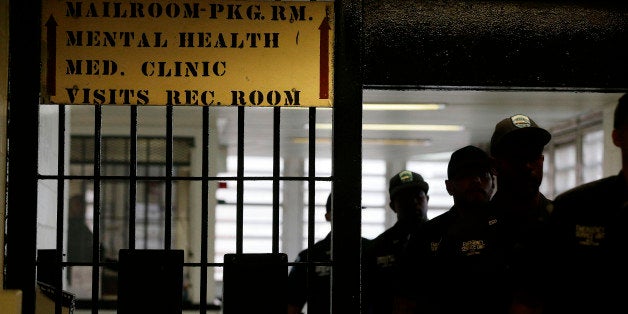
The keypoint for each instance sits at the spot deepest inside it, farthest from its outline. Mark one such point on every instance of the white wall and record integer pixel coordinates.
(47, 189)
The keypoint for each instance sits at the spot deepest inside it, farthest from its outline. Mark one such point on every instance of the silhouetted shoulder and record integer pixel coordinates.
(590, 190)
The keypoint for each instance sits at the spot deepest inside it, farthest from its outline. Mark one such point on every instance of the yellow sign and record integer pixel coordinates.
(220, 53)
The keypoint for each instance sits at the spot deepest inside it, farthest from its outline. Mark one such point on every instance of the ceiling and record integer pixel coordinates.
(476, 110)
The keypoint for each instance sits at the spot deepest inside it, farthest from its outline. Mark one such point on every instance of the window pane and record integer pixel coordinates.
(592, 155)
(257, 215)
(434, 172)
(565, 165)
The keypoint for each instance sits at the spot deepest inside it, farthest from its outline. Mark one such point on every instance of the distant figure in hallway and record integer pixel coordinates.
(408, 199)
(79, 235)
(311, 284)
(80, 246)
(591, 229)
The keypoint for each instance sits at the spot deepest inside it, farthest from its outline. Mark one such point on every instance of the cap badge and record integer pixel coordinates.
(405, 176)
(521, 121)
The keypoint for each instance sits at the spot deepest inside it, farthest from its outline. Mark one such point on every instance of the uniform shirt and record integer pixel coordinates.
(591, 225)
(382, 261)
(79, 241)
(525, 239)
(319, 283)
(461, 261)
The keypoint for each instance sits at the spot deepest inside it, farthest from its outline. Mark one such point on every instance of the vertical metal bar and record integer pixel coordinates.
(311, 197)
(240, 185)
(60, 213)
(146, 193)
(105, 191)
(311, 232)
(276, 165)
(97, 203)
(204, 210)
(347, 158)
(22, 135)
(132, 177)
(169, 140)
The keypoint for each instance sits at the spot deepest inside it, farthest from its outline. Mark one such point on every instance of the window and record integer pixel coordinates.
(374, 196)
(592, 155)
(257, 216)
(565, 167)
(435, 173)
(114, 231)
(575, 154)
(258, 204)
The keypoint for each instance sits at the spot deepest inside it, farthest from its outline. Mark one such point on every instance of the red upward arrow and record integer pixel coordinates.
(324, 59)
(51, 67)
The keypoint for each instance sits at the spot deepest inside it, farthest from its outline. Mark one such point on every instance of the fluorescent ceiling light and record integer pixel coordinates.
(399, 127)
(397, 142)
(408, 107)
(388, 107)
(370, 141)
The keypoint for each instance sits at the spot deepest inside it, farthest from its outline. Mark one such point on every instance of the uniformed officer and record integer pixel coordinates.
(310, 284)
(460, 247)
(318, 284)
(591, 225)
(517, 146)
(408, 199)
(454, 263)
